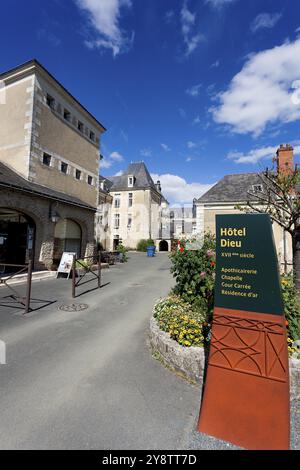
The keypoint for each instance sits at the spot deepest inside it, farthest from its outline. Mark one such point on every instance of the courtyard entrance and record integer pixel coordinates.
(17, 236)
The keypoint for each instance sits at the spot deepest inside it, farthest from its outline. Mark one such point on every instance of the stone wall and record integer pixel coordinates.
(37, 208)
(191, 361)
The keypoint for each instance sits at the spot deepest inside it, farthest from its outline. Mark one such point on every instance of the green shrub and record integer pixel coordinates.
(183, 322)
(123, 250)
(82, 263)
(194, 272)
(142, 244)
(291, 306)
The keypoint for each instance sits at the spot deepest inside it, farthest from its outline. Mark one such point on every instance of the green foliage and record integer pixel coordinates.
(142, 244)
(194, 272)
(291, 306)
(123, 250)
(82, 263)
(183, 322)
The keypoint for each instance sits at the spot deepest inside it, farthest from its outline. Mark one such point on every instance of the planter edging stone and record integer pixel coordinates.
(190, 362)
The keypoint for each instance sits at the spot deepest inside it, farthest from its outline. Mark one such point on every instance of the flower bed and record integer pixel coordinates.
(190, 361)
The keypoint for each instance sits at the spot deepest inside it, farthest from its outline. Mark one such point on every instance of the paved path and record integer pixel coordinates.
(86, 380)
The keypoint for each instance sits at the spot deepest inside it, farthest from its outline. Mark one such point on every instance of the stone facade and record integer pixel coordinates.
(37, 208)
(47, 139)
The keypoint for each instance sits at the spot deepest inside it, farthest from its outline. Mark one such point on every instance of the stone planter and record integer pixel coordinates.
(190, 362)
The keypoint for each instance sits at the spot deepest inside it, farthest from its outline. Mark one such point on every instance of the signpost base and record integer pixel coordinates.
(246, 395)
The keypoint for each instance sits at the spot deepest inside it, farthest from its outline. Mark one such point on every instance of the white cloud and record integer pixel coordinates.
(114, 157)
(177, 190)
(165, 147)
(258, 154)
(194, 90)
(265, 20)
(191, 37)
(169, 16)
(197, 120)
(104, 16)
(219, 3)
(191, 145)
(119, 173)
(147, 152)
(263, 92)
(215, 64)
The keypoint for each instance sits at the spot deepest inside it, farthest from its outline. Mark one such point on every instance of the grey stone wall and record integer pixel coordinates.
(191, 361)
(37, 208)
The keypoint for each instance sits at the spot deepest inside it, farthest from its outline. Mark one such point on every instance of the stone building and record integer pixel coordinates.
(233, 190)
(49, 155)
(134, 211)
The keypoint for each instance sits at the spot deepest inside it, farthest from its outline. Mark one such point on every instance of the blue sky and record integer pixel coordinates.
(195, 88)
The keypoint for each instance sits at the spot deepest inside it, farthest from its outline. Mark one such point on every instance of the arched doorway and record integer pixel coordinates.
(17, 237)
(67, 237)
(163, 245)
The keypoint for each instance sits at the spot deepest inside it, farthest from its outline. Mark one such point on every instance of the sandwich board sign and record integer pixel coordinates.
(66, 262)
(246, 393)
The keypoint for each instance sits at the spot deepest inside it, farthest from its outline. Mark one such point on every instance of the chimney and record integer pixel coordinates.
(158, 186)
(285, 160)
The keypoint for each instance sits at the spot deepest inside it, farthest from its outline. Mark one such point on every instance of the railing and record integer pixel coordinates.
(87, 268)
(23, 300)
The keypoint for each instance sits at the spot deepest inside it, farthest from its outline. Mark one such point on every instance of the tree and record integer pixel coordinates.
(279, 197)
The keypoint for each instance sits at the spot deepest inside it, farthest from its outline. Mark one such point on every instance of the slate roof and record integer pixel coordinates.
(141, 174)
(231, 188)
(9, 179)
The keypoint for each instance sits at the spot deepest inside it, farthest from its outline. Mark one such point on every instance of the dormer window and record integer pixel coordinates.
(257, 188)
(130, 181)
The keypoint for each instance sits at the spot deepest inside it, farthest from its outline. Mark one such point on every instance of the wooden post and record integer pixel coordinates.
(99, 269)
(73, 276)
(28, 287)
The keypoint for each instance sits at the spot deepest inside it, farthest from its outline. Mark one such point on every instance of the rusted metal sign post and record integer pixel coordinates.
(246, 394)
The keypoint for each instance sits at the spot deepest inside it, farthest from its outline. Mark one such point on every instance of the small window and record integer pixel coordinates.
(64, 168)
(130, 198)
(129, 224)
(80, 126)
(130, 181)
(117, 221)
(92, 136)
(257, 188)
(67, 115)
(50, 101)
(117, 201)
(90, 180)
(78, 174)
(47, 159)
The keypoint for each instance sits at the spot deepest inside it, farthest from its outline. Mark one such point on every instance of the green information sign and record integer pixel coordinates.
(247, 275)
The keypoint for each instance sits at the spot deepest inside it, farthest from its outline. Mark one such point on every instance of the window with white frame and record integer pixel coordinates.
(130, 199)
(117, 201)
(50, 101)
(130, 181)
(47, 159)
(117, 221)
(64, 168)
